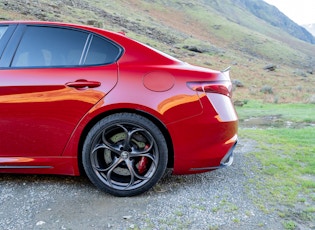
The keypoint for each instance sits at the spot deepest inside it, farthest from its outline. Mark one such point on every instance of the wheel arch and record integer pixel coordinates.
(152, 118)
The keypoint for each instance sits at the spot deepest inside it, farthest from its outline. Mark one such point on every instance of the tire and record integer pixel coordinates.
(125, 154)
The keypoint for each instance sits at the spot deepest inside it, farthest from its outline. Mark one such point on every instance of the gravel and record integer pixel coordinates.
(221, 199)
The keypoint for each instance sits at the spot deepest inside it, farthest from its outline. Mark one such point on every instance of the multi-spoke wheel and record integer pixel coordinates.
(125, 154)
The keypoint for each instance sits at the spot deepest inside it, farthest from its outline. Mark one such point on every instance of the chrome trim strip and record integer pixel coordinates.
(207, 168)
(25, 167)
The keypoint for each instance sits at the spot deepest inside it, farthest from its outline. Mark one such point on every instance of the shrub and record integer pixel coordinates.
(266, 89)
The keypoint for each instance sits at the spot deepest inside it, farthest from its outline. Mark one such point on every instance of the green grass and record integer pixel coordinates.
(291, 112)
(286, 177)
(288, 158)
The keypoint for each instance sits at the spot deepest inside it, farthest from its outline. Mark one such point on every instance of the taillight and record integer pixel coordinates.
(221, 87)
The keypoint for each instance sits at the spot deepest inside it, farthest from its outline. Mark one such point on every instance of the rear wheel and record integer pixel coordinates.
(125, 154)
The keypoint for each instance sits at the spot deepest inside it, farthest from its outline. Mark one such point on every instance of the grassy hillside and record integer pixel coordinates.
(224, 33)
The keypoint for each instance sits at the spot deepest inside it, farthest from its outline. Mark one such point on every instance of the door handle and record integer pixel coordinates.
(81, 83)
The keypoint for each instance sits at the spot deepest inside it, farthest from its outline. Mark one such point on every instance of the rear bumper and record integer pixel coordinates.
(226, 161)
(205, 142)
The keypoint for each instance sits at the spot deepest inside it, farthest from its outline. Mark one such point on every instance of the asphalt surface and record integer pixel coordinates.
(221, 199)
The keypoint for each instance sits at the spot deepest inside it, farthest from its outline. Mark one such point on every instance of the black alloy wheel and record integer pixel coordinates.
(125, 154)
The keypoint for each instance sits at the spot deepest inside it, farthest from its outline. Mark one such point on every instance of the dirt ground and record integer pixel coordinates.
(222, 199)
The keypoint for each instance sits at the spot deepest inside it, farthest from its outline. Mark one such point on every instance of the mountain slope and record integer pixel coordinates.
(310, 28)
(223, 32)
(273, 16)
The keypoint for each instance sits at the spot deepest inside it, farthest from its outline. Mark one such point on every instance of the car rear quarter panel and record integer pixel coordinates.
(130, 94)
(199, 138)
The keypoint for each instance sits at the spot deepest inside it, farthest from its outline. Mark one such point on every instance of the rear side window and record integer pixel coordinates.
(50, 46)
(3, 29)
(101, 51)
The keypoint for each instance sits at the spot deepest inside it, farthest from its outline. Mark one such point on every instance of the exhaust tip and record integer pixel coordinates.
(228, 158)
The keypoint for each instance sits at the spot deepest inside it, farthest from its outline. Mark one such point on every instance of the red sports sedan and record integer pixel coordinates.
(77, 99)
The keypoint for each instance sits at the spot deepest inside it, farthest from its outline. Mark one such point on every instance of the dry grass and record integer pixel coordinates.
(246, 50)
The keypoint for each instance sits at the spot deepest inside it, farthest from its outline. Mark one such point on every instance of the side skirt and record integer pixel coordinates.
(40, 165)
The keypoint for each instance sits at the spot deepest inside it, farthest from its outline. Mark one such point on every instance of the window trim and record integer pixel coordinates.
(6, 36)
(86, 49)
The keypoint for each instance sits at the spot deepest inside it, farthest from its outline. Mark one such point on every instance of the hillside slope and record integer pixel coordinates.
(276, 18)
(223, 34)
(310, 28)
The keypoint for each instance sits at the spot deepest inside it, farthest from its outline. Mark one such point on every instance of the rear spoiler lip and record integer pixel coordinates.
(226, 69)
(225, 74)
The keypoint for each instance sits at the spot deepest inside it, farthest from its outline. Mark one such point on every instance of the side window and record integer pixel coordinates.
(101, 52)
(43, 46)
(3, 29)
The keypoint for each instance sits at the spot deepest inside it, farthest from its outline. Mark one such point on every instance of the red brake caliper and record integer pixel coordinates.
(143, 163)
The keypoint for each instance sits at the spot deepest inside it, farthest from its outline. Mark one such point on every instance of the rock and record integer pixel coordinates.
(216, 27)
(299, 72)
(127, 217)
(311, 100)
(193, 49)
(237, 83)
(266, 89)
(39, 223)
(270, 67)
(239, 103)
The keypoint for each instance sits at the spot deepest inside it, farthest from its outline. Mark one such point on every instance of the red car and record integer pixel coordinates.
(76, 99)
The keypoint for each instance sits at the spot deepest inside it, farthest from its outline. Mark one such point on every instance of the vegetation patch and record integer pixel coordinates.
(286, 176)
(296, 113)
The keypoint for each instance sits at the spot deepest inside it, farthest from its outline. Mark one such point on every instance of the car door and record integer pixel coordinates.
(50, 77)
